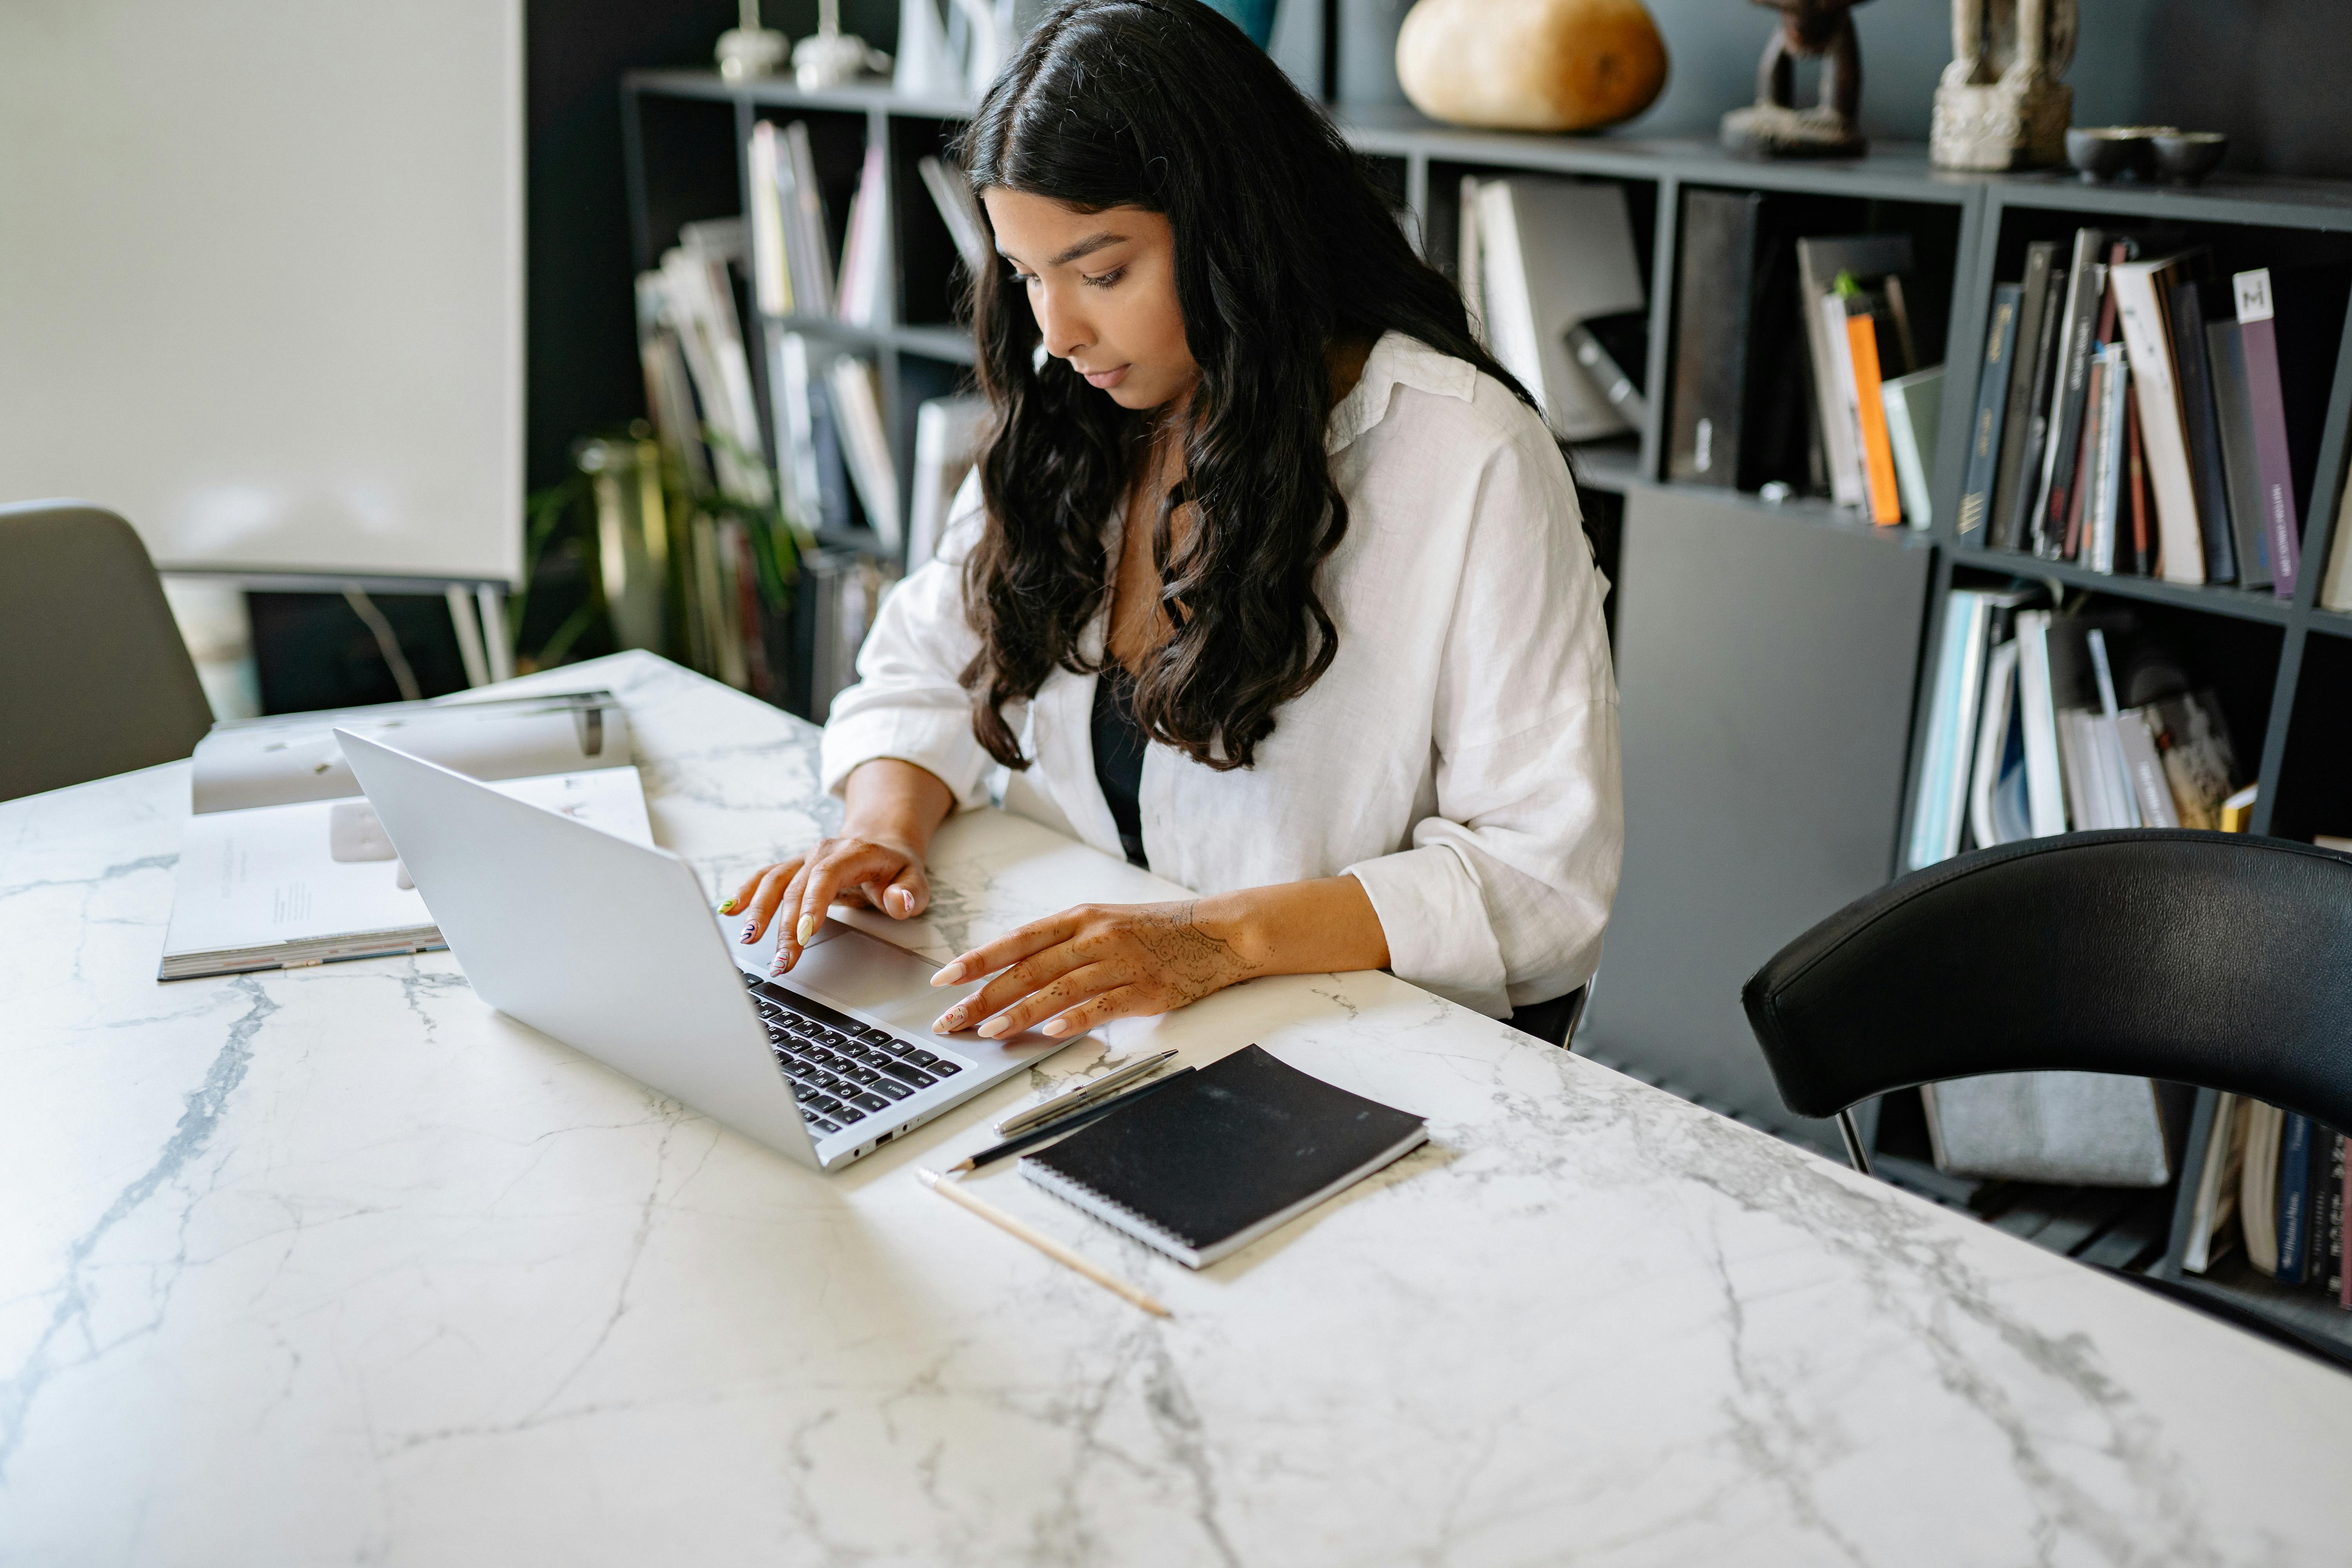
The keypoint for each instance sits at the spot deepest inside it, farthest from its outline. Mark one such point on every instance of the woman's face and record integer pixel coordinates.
(1103, 286)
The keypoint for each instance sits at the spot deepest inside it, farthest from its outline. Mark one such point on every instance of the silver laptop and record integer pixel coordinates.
(613, 947)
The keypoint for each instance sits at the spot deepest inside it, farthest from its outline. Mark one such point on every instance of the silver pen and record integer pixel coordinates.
(1077, 1099)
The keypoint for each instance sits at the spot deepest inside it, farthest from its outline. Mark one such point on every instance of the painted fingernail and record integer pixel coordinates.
(807, 927)
(949, 1022)
(902, 900)
(749, 931)
(1053, 1026)
(950, 975)
(727, 906)
(993, 1027)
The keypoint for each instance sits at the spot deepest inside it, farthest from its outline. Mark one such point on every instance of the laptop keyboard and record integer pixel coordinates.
(841, 1070)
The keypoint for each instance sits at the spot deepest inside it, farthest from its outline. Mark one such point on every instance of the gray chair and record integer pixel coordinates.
(94, 676)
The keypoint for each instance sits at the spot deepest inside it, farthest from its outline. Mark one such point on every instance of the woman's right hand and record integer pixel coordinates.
(880, 871)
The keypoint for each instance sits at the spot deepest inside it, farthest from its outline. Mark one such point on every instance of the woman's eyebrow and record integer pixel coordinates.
(1085, 247)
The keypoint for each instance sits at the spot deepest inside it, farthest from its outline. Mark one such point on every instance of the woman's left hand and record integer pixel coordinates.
(1095, 963)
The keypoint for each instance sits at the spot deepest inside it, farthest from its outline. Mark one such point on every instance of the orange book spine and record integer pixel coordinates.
(1877, 455)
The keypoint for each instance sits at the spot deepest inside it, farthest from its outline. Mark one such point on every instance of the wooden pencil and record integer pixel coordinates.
(1045, 1244)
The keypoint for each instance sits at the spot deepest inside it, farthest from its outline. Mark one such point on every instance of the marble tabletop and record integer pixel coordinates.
(338, 1265)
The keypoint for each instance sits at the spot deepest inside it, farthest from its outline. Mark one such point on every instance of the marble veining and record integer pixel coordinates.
(338, 1265)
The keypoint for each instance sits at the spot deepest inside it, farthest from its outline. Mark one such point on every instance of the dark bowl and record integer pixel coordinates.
(2185, 157)
(2104, 153)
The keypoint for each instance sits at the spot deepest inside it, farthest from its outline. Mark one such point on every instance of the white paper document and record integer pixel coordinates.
(284, 863)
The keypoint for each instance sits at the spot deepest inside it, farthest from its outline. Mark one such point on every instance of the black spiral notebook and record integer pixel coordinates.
(1208, 1164)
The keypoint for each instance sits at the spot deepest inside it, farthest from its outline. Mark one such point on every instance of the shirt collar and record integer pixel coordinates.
(1395, 361)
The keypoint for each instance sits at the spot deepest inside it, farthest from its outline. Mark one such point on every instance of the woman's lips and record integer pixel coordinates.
(1104, 380)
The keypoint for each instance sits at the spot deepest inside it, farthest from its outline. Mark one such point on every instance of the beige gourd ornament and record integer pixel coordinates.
(1532, 65)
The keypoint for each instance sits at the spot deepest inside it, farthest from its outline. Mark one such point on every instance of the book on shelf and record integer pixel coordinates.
(2336, 1191)
(2102, 729)
(1613, 350)
(2290, 323)
(283, 863)
(2090, 472)
(2038, 714)
(865, 262)
(843, 589)
(1738, 402)
(2238, 810)
(2201, 426)
(2136, 489)
(2204, 475)
(959, 210)
(1877, 262)
(2103, 447)
(1469, 263)
(1975, 623)
(1997, 803)
(2039, 298)
(2210, 1236)
(2087, 283)
(2258, 1187)
(698, 296)
(1854, 370)
(2293, 1205)
(857, 408)
(2143, 291)
(669, 391)
(2272, 1182)
(771, 280)
(2242, 474)
(1987, 430)
(2335, 589)
(807, 242)
(1915, 407)
(947, 440)
(1553, 253)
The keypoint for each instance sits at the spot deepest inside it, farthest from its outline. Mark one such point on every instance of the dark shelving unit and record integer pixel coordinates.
(2283, 691)
(2283, 666)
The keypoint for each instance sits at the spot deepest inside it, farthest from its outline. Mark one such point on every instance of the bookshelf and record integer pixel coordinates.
(2283, 667)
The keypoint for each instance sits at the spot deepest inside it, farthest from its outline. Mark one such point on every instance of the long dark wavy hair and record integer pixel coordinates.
(1283, 247)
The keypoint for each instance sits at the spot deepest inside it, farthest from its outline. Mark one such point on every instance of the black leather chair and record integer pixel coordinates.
(2212, 959)
(94, 676)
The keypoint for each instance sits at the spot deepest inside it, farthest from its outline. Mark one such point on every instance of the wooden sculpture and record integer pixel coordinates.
(2000, 104)
(1774, 127)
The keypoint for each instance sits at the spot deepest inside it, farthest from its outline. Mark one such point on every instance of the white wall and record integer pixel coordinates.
(261, 277)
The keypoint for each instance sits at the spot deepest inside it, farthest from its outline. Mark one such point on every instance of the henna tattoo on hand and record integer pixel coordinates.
(1194, 960)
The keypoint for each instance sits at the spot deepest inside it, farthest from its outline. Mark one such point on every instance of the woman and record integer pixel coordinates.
(1269, 576)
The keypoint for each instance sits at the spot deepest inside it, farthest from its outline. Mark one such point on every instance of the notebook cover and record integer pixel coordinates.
(1205, 1166)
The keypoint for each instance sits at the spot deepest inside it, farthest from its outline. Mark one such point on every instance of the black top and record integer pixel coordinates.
(1119, 757)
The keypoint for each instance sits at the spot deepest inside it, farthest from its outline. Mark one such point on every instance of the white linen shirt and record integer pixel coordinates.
(1458, 758)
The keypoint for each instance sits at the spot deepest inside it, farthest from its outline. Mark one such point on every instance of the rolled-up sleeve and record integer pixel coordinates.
(1501, 898)
(907, 703)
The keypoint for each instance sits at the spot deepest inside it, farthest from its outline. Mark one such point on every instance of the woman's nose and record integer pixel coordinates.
(1061, 325)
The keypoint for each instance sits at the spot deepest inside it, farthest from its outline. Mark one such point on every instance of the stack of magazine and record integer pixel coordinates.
(284, 863)
(2042, 723)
